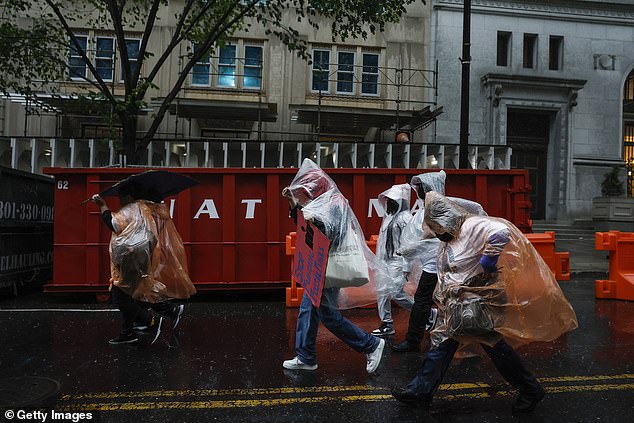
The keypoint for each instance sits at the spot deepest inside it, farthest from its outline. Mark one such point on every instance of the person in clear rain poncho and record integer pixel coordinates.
(321, 203)
(493, 287)
(148, 263)
(395, 203)
(418, 250)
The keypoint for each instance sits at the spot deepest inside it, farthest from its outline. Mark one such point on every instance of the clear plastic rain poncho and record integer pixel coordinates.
(390, 234)
(418, 248)
(521, 302)
(147, 254)
(323, 204)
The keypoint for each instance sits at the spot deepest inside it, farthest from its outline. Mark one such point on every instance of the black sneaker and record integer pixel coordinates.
(139, 327)
(526, 402)
(175, 315)
(386, 329)
(410, 398)
(154, 328)
(406, 346)
(124, 338)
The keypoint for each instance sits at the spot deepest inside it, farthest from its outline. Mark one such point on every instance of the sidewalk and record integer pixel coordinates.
(584, 259)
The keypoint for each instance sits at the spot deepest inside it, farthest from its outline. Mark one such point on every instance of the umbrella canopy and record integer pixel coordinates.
(153, 185)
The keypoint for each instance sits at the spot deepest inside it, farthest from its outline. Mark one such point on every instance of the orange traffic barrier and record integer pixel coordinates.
(620, 285)
(295, 293)
(559, 263)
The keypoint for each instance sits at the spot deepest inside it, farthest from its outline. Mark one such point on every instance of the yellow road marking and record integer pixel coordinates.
(255, 391)
(129, 406)
(317, 394)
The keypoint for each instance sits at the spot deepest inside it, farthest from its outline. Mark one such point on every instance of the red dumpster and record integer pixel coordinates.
(234, 223)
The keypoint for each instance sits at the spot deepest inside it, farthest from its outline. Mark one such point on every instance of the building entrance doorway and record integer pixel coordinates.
(528, 134)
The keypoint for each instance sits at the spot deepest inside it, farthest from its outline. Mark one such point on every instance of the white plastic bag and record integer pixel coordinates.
(346, 265)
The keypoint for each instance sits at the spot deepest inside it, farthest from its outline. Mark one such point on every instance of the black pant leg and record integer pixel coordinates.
(163, 308)
(130, 309)
(421, 308)
(510, 366)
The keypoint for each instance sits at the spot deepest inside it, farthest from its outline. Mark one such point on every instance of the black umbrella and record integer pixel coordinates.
(153, 185)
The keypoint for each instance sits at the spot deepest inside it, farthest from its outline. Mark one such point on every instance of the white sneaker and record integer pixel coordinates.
(374, 358)
(296, 364)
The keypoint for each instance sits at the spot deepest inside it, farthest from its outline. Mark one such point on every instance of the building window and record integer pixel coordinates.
(321, 65)
(504, 48)
(252, 67)
(132, 46)
(227, 66)
(555, 52)
(370, 74)
(530, 51)
(76, 63)
(201, 70)
(345, 72)
(104, 58)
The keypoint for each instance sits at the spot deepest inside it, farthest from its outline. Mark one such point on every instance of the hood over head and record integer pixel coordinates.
(309, 183)
(442, 215)
(400, 193)
(431, 181)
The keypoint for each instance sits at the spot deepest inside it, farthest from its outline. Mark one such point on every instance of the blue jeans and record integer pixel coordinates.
(504, 358)
(308, 323)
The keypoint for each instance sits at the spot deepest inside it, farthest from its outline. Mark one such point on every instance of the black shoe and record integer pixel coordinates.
(175, 315)
(386, 329)
(526, 402)
(124, 338)
(406, 346)
(408, 397)
(154, 328)
(139, 327)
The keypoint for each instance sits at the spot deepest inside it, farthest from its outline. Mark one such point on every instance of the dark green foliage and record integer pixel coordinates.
(612, 185)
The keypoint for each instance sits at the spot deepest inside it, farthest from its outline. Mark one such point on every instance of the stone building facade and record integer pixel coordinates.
(548, 80)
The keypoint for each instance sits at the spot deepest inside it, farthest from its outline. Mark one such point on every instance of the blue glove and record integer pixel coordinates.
(489, 263)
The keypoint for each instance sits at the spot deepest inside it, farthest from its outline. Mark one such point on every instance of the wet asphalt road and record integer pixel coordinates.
(224, 364)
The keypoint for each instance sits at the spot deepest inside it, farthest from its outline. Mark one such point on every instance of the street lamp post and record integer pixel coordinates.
(464, 97)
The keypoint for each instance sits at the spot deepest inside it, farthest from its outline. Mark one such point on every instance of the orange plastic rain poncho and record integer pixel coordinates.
(147, 254)
(522, 302)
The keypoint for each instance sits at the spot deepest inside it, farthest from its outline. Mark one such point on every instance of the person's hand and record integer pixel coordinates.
(286, 193)
(489, 263)
(98, 200)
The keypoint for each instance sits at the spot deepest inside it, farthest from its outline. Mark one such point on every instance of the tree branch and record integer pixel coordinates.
(168, 50)
(207, 44)
(115, 14)
(147, 31)
(102, 85)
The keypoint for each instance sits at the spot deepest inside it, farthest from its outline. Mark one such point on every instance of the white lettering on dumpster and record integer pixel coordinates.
(251, 207)
(208, 207)
(374, 204)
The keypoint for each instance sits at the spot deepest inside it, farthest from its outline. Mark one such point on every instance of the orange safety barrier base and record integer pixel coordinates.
(620, 285)
(559, 263)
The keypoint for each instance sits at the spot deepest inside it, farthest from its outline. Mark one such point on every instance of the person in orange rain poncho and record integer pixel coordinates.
(148, 264)
(321, 202)
(493, 287)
